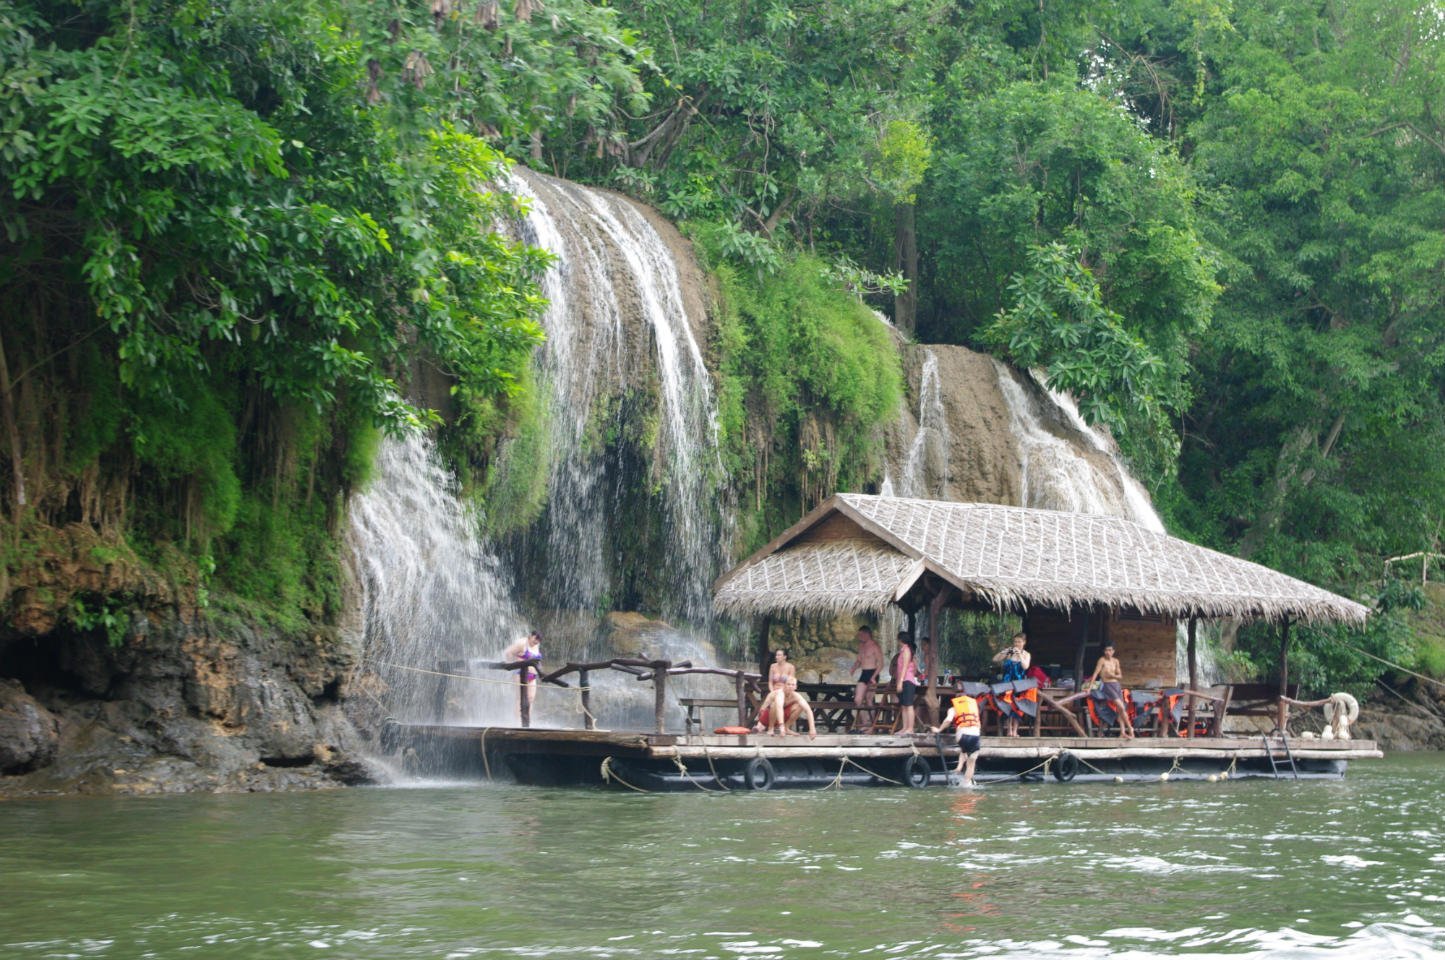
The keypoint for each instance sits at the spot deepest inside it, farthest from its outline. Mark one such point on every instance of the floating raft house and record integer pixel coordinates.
(1078, 581)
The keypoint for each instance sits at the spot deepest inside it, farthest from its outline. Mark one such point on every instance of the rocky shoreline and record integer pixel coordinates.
(179, 706)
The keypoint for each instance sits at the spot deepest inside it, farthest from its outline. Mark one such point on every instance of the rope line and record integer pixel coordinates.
(717, 779)
(687, 775)
(1387, 663)
(464, 676)
(486, 764)
(608, 775)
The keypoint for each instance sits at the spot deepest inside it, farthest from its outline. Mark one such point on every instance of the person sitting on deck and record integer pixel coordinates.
(794, 706)
(775, 705)
(968, 727)
(1111, 690)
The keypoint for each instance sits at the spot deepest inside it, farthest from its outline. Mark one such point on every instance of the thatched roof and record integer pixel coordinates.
(857, 552)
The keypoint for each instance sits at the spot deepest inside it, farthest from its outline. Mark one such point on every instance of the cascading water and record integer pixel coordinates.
(439, 598)
(1056, 473)
(928, 453)
(618, 322)
(433, 595)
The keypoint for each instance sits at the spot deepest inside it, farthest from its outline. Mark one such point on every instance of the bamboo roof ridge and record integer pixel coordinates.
(856, 552)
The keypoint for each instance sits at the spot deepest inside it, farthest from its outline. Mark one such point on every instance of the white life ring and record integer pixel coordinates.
(1341, 710)
(1345, 702)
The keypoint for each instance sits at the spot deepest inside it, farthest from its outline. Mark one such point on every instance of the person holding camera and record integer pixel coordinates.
(1015, 660)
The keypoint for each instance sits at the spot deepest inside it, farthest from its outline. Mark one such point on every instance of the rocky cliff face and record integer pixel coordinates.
(179, 705)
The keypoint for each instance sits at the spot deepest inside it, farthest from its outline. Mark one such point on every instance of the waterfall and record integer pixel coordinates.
(1072, 466)
(928, 453)
(1086, 475)
(618, 320)
(433, 595)
(621, 355)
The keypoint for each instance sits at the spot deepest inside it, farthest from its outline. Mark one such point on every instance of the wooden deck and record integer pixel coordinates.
(596, 756)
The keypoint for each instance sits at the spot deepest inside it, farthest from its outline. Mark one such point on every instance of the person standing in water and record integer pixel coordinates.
(1111, 690)
(1015, 660)
(528, 648)
(968, 728)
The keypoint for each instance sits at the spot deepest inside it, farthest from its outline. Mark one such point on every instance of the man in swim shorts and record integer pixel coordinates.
(794, 705)
(868, 662)
(1111, 689)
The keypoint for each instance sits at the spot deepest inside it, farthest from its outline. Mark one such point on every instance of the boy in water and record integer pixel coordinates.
(963, 714)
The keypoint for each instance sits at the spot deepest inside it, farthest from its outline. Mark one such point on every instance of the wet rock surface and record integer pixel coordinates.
(178, 706)
(1404, 717)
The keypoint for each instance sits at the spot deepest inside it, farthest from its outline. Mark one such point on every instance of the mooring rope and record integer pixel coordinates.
(717, 779)
(871, 773)
(486, 764)
(687, 775)
(1044, 764)
(608, 775)
(1396, 666)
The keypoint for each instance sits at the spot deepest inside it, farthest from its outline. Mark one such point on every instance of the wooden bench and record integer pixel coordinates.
(1256, 699)
(696, 705)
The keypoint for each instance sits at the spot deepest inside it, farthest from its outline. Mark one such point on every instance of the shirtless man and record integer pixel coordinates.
(869, 661)
(778, 676)
(1111, 674)
(791, 700)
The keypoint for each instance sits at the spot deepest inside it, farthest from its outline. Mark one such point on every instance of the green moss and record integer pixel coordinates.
(808, 375)
(515, 490)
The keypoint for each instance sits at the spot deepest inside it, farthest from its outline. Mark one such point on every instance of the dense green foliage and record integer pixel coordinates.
(233, 230)
(230, 233)
(808, 375)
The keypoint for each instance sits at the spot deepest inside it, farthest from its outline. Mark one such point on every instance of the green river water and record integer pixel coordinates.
(1352, 868)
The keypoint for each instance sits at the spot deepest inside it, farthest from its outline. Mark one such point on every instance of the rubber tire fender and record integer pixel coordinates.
(759, 774)
(1067, 767)
(916, 772)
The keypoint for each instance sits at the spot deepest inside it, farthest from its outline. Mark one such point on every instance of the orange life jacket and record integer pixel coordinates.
(965, 711)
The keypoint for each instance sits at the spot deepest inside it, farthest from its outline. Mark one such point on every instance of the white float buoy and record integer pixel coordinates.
(1213, 778)
(1164, 776)
(1118, 779)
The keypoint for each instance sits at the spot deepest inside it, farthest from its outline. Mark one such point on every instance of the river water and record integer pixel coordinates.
(1354, 868)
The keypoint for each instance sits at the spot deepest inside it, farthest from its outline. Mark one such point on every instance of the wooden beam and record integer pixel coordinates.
(1193, 670)
(1282, 713)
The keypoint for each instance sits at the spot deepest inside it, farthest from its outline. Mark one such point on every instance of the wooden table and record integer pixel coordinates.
(833, 710)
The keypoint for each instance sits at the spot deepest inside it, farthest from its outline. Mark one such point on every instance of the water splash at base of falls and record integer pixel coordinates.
(434, 598)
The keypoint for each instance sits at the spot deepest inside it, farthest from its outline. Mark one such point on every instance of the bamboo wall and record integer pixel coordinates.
(1144, 644)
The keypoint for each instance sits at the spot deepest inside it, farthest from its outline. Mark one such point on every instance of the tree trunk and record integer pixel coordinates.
(905, 256)
(12, 432)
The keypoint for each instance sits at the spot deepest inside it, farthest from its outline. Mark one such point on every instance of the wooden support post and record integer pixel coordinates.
(1282, 713)
(524, 703)
(439, 703)
(1193, 671)
(1081, 647)
(588, 721)
(742, 688)
(659, 692)
(765, 656)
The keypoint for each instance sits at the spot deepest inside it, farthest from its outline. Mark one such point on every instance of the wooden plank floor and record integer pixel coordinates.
(834, 746)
